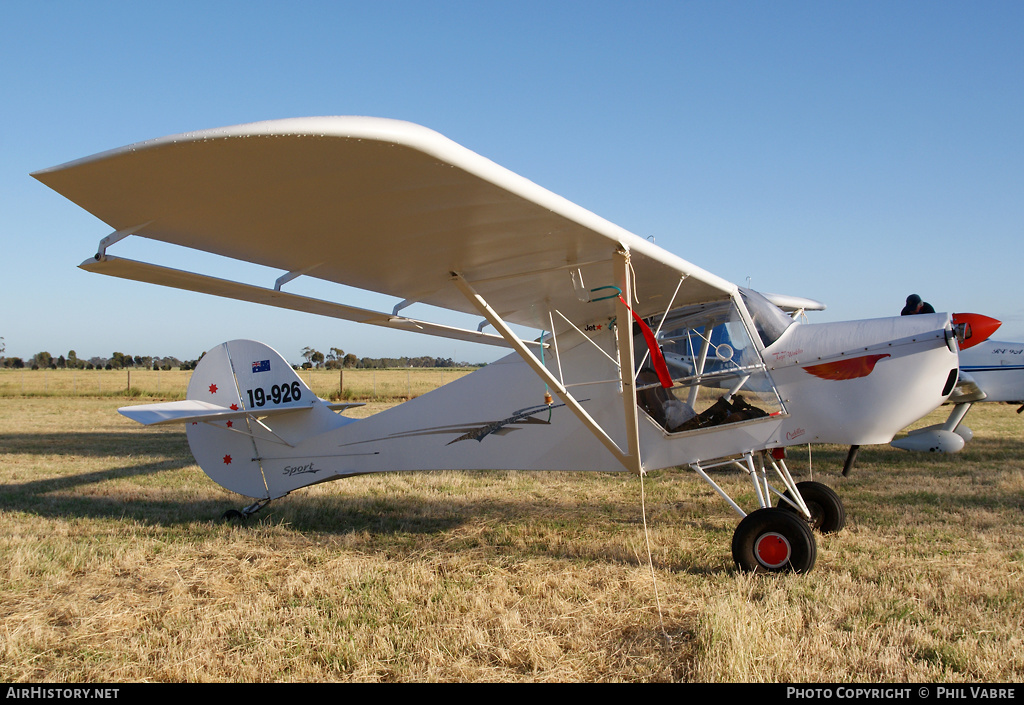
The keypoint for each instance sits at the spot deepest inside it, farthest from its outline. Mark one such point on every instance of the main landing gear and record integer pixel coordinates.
(781, 538)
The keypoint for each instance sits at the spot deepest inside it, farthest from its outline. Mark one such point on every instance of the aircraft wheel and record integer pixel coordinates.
(774, 541)
(232, 515)
(827, 512)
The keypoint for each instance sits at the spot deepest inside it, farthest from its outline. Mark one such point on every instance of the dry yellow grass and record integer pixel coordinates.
(114, 567)
(390, 384)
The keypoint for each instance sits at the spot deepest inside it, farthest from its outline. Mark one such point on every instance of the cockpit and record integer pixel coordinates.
(718, 374)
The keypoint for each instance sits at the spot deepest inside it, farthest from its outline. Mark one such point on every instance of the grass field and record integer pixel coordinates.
(115, 567)
(384, 385)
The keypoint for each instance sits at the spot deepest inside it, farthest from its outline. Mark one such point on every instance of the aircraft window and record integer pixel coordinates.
(718, 374)
(769, 320)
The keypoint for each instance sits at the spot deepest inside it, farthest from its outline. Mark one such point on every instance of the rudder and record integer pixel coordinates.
(241, 375)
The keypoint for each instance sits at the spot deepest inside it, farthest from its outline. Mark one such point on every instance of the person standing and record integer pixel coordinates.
(916, 305)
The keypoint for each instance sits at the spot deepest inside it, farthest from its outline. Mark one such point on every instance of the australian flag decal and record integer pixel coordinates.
(261, 366)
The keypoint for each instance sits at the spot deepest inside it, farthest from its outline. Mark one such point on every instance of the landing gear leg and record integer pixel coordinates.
(851, 459)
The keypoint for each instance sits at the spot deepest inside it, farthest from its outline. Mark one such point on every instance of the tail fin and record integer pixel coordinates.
(234, 376)
(279, 412)
(250, 375)
(238, 391)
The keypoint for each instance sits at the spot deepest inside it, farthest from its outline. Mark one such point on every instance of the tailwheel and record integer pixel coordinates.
(827, 512)
(774, 541)
(246, 512)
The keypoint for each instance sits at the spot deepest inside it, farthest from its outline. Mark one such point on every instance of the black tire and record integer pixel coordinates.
(232, 515)
(774, 541)
(827, 512)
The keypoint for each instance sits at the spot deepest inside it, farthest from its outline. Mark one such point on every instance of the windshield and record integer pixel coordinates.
(770, 321)
(717, 372)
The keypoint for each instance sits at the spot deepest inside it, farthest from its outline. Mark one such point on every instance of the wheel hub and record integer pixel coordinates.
(772, 550)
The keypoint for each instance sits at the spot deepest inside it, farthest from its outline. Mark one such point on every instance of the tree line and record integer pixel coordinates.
(334, 359)
(337, 358)
(117, 361)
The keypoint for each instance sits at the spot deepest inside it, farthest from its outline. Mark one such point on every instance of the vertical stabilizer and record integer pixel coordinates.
(280, 412)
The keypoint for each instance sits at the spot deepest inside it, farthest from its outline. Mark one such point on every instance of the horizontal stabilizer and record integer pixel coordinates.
(193, 410)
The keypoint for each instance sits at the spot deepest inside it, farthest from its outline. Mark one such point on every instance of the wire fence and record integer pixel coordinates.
(364, 384)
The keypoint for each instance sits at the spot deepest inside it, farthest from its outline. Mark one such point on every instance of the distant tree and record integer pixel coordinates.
(41, 360)
(350, 360)
(335, 358)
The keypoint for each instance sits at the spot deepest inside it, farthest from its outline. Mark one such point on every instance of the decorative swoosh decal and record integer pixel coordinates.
(846, 369)
(477, 432)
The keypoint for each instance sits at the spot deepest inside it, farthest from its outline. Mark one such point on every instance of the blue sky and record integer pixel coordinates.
(852, 152)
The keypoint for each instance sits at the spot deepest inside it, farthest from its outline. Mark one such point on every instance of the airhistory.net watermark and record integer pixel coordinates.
(54, 693)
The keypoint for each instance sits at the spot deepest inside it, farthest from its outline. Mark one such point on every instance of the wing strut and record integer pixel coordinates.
(624, 333)
(629, 459)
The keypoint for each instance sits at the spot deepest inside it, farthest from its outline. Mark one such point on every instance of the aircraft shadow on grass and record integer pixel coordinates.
(97, 444)
(385, 517)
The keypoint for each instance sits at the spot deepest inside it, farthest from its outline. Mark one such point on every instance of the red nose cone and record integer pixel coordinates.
(977, 328)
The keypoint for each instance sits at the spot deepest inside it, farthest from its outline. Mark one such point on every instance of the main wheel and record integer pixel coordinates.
(827, 512)
(773, 541)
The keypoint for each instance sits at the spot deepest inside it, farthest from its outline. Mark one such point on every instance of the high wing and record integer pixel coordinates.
(378, 204)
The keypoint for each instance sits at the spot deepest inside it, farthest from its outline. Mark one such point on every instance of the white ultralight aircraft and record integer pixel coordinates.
(992, 371)
(396, 208)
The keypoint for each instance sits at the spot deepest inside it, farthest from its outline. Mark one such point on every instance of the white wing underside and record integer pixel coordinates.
(377, 204)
